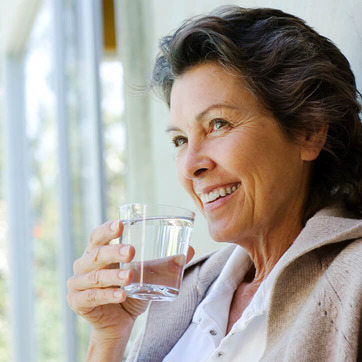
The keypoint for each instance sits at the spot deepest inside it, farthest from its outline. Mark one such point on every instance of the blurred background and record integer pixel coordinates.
(80, 136)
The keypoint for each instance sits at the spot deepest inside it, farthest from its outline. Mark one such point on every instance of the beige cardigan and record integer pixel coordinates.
(316, 301)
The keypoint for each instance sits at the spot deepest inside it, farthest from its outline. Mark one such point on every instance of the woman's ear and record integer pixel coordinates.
(312, 144)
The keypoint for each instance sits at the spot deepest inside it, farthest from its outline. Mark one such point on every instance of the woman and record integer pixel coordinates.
(264, 117)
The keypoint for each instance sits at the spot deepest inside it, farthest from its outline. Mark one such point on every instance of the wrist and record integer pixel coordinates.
(107, 346)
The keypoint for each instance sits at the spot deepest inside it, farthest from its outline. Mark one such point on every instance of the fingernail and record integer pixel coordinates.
(124, 250)
(118, 294)
(180, 260)
(115, 225)
(123, 274)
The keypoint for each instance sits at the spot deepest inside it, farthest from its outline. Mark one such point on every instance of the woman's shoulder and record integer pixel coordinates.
(203, 271)
(220, 255)
(212, 261)
(331, 225)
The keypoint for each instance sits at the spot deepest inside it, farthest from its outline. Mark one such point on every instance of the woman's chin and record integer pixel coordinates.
(222, 235)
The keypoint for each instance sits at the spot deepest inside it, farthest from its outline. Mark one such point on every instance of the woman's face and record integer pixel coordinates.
(243, 173)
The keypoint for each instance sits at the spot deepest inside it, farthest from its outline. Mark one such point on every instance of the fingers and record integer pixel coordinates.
(94, 284)
(96, 288)
(83, 302)
(100, 279)
(102, 256)
(103, 234)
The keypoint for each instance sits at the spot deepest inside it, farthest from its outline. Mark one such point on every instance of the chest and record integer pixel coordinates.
(241, 299)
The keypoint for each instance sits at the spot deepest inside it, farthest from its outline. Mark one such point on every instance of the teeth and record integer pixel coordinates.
(221, 192)
(213, 195)
(210, 196)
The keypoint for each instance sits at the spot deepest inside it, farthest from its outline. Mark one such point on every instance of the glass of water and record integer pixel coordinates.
(160, 235)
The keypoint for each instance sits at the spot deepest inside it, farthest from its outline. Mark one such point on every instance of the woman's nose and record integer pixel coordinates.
(196, 164)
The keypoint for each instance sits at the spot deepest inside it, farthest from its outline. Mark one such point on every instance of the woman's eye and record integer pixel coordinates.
(218, 124)
(179, 141)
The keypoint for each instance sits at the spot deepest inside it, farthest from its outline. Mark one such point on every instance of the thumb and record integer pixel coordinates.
(190, 254)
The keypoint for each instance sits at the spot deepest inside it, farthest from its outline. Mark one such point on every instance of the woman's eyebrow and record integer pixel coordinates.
(202, 115)
(172, 129)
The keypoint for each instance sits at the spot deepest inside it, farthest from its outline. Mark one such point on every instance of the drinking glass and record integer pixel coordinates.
(160, 235)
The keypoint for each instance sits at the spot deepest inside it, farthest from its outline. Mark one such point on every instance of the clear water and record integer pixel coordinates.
(161, 247)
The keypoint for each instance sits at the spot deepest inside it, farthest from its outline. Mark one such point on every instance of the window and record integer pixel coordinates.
(41, 135)
(65, 169)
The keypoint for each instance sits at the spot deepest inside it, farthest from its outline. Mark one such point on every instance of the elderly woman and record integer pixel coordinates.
(264, 118)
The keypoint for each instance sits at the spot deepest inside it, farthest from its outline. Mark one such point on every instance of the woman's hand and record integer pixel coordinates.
(94, 292)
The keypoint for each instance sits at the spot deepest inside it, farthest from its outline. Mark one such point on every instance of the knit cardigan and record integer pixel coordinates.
(316, 300)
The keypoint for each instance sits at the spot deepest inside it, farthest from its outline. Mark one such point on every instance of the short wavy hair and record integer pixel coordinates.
(298, 75)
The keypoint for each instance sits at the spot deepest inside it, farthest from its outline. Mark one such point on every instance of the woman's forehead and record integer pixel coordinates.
(206, 88)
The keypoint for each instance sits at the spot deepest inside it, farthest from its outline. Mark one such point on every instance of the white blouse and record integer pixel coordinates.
(205, 339)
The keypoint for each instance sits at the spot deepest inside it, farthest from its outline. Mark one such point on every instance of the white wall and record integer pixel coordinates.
(338, 20)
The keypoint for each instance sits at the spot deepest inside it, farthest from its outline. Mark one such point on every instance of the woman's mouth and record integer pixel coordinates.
(217, 193)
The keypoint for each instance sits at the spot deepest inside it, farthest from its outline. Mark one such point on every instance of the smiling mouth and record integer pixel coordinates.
(218, 193)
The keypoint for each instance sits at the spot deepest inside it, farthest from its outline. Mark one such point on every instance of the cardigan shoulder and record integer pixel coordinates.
(315, 310)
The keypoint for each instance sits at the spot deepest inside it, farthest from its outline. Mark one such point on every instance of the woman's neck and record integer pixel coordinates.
(266, 250)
